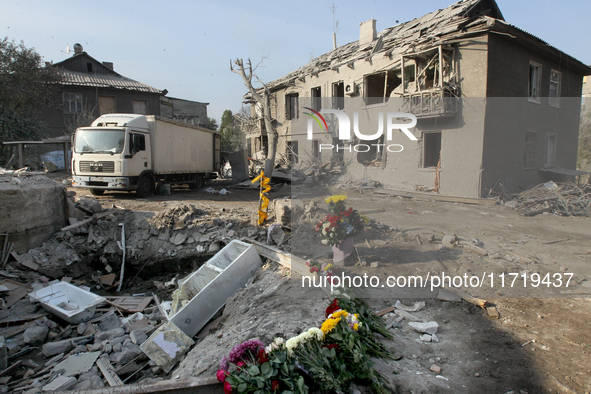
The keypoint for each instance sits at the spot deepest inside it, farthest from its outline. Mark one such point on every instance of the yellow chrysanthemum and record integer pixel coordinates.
(340, 313)
(329, 325)
(355, 326)
(335, 198)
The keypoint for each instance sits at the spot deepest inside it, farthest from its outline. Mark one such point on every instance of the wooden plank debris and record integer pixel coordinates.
(107, 280)
(85, 221)
(11, 369)
(14, 295)
(130, 304)
(435, 197)
(387, 310)
(467, 297)
(492, 312)
(109, 373)
(294, 263)
(446, 295)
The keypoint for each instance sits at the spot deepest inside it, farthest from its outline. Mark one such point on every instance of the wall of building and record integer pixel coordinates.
(461, 136)
(510, 115)
(57, 121)
(33, 208)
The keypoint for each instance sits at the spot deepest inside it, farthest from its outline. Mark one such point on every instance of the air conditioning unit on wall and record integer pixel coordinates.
(351, 88)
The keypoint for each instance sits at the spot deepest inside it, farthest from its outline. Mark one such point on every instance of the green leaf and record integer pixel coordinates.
(260, 383)
(253, 370)
(241, 387)
(300, 384)
(266, 370)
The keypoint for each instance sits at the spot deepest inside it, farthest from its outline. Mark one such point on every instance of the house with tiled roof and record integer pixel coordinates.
(493, 109)
(90, 88)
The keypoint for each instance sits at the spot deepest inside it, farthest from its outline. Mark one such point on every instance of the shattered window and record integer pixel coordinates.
(554, 96)
(535, 76)
(291, 106)
(317, 98)
(529, 156)
(431, 149)
(379, 86)
(338, 95)
(292, 151)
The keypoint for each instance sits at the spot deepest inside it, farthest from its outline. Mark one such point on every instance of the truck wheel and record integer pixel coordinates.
(97, 192)
(198, 184)
(144, 187)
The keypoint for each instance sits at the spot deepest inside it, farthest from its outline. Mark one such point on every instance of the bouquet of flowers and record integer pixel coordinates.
(325, 269)
(252, 368)
(325, 359)
(341, 223)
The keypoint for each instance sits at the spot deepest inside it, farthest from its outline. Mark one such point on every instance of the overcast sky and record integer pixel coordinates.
(186, 46)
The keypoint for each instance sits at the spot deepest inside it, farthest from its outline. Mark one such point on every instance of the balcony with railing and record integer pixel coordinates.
(431, 103)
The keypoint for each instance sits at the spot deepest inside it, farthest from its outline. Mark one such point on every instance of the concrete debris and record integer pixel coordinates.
(425, 328)
(449, 240)
(35, 335)
(417, 306)
(138, 336)
(166, 346)
(53, 348)
(61, 383)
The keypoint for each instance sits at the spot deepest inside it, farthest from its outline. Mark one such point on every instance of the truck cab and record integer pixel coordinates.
(114, 153)
(138, 152)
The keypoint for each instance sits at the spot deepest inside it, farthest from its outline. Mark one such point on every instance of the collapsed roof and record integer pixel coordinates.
(462, 19)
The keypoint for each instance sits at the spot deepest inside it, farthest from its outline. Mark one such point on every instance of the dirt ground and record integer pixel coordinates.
(540, 343)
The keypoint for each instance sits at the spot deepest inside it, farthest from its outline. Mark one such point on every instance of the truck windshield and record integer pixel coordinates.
(99, 141)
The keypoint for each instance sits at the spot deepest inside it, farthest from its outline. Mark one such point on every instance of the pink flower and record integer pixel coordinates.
(227, 388)
(241, 364)
(221, 375)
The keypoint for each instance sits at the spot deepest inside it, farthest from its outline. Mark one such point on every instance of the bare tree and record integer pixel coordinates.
(247, 74)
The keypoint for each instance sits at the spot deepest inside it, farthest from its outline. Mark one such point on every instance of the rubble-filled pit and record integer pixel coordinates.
(537, 344)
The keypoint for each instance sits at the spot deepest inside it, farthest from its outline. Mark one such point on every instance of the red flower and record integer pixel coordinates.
(274, 385)
(221, 375)
(241, 364)
(332, 308)
(227, 388)
(262, 356)
(334, 346)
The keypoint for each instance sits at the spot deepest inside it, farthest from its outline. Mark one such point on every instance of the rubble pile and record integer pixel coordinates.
(49, 354)
(183, 231)
(565, 199)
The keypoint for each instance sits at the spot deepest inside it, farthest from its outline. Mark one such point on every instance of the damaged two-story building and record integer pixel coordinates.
(494, 105)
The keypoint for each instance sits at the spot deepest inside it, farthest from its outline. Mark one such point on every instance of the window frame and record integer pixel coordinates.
(558, 83)
(77, 100)
(292, 113)
(531, 97)
(546, 161)
(424, 155)
(336, 100)
(316, 99)
(533, 151)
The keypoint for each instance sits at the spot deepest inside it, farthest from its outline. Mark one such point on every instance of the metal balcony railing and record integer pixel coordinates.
(431, 103)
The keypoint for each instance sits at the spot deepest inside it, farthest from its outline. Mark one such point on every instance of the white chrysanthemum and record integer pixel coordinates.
(315, 331)
(305, 336)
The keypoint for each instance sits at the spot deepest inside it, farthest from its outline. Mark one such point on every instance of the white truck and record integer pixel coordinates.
(142, 152)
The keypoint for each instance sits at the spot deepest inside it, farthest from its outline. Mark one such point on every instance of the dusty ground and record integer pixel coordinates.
(539, 344)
